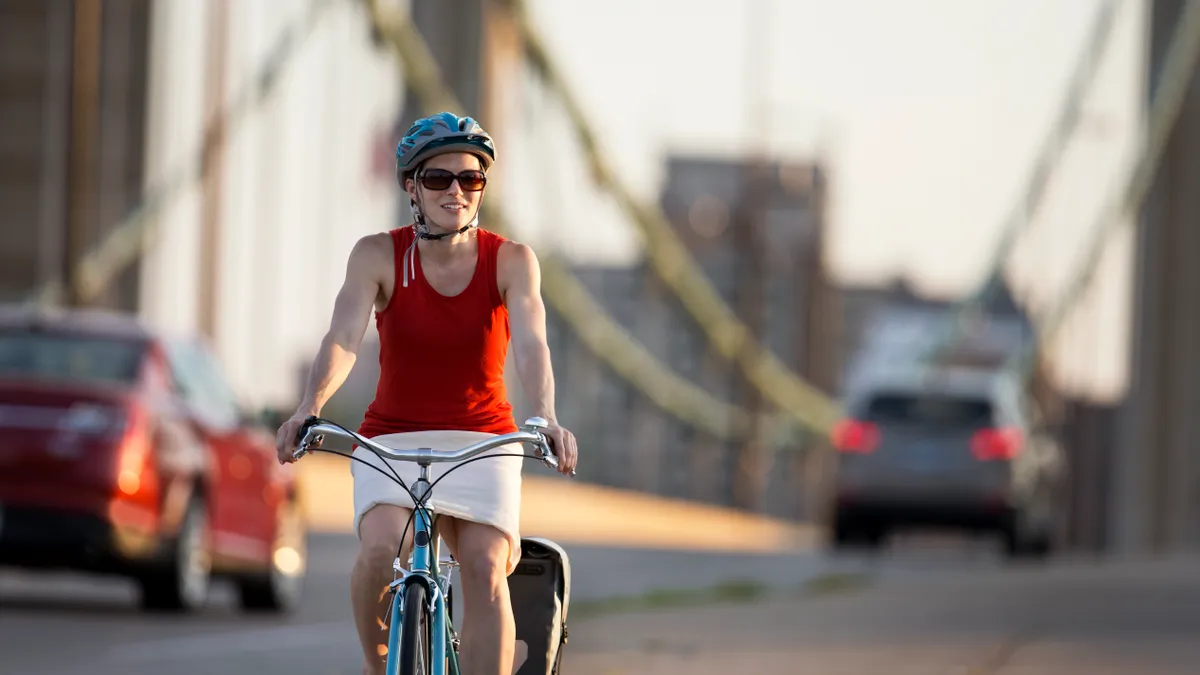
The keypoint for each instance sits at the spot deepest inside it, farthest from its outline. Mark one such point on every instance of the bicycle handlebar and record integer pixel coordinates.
(314, 428)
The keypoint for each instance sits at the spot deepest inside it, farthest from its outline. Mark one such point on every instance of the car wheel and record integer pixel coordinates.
(182, 582)
(280, 587)
(856, 534)
(1021, 543)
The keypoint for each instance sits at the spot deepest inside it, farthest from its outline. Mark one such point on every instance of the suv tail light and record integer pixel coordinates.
(855, 437)
(996, 444)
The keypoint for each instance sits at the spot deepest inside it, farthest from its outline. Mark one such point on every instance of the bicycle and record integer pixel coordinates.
(419, 610)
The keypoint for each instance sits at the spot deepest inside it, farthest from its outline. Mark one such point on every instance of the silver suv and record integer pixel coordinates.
(944, 449)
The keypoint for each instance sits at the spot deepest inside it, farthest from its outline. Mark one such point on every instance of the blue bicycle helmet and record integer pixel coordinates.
(439, 134)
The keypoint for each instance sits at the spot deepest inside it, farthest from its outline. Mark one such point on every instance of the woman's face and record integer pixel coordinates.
(451, 208)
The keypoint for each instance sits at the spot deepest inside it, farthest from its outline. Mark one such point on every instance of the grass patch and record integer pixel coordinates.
(834, 582)
(730, 591)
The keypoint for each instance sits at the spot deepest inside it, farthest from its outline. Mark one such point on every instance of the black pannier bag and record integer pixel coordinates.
(540, 588)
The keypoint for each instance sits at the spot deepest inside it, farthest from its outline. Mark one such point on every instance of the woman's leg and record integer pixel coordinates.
(488, 632)
(380, 532)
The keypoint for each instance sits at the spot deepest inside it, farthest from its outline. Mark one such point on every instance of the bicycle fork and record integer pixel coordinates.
(425, 562)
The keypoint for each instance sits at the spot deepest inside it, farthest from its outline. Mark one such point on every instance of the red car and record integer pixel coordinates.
(126, 453)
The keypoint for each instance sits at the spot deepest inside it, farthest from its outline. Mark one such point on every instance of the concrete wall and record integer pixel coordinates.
(1158, 475)
(295, 182)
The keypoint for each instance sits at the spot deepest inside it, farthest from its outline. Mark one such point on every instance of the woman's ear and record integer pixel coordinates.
(412, 205)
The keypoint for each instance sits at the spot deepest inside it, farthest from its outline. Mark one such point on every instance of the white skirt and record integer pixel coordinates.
(484, 491)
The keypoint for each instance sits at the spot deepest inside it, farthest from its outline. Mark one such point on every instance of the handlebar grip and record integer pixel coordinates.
(548, 457)
(547, 452)
(302, 433)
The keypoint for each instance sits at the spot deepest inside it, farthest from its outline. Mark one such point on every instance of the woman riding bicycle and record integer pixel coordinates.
(447, 295)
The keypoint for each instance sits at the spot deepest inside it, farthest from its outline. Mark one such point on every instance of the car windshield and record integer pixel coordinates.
(929, 410)
(71, 358)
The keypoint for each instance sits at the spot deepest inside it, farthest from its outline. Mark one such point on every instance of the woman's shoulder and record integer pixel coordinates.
(375, 247)
(515, 260)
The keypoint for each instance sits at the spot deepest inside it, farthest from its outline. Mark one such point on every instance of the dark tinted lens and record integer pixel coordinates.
(472, 181)
(437, 179)
(440, 179)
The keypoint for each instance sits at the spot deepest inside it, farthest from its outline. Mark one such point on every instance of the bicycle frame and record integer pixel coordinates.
(427, 569)
(426, 563)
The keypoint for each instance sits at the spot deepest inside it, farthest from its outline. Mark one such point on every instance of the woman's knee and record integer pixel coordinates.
(482, 552)
(380, 531)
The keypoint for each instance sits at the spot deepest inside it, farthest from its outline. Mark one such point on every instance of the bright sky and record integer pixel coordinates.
(931, 110)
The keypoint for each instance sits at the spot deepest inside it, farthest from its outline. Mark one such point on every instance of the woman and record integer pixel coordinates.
(448, 297)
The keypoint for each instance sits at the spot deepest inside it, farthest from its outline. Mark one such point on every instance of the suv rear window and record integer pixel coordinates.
(69, 357)
(942, 411)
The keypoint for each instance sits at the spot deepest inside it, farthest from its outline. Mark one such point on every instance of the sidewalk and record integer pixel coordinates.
(573, 512)
(1134, 618)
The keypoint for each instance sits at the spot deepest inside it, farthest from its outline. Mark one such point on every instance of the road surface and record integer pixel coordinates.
(1135, 618)
(957, 610)
(929, 607)
(44, 618)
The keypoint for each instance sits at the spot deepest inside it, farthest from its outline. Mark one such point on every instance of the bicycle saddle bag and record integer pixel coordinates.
(540, 588)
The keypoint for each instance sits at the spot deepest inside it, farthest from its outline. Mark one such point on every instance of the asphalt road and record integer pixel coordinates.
(65, 623)
(1128, 618)
(930, 607)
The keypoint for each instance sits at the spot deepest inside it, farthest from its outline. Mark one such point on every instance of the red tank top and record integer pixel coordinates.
(441, 359)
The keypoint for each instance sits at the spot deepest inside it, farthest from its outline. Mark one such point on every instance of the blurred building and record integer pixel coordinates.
(764, 260)
(246, 133)
(73, 143)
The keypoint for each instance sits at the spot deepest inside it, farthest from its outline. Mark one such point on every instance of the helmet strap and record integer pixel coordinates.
(422, 232)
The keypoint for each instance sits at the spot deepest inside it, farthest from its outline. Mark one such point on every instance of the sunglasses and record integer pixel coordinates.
(440, 179)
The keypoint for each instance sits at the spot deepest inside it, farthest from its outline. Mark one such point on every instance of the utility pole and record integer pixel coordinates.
(757, 189)
(120, 126)
(454, 31)
(501, 58)
(53, 260)
(816, 332)
(748, 487)
(1156, 470)
(83, 153)
(1178, 473)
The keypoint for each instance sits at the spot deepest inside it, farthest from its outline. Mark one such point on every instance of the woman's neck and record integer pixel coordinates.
(448, 246)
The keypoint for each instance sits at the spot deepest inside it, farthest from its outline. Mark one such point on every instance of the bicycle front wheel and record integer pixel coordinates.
(414, 632)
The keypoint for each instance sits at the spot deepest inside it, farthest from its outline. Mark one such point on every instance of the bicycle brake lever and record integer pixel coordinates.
(551, 460)
(302, 434)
